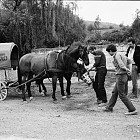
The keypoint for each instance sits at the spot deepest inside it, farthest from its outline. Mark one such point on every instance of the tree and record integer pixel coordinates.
(97, 28)
(111, 27)
(41, 23)
(121, 25)
(106, 36)
(90, 27)
(136, 26)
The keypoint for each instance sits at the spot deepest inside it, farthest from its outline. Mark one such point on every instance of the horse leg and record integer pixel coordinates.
(54, 82)
(23, 88)
(29, 86)
(62, 87)
(43, 86)
(38, 83)
(68, 78)
(39, 86)
(29, 90)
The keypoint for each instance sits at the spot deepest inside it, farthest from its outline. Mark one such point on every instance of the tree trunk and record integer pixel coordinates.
(43, 14)
(53, 24)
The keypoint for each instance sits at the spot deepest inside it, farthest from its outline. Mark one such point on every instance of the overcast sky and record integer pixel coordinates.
(108, 11)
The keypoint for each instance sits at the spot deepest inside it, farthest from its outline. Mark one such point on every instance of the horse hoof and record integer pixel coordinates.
(69, 96)
(43, 94)
(64, 97)
(54, 99)
(25, 102)
(31, 98)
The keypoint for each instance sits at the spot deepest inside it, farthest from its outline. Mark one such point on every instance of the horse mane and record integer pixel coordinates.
(72, 48)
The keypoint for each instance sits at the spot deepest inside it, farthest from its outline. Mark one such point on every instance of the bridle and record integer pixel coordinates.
(81, 51)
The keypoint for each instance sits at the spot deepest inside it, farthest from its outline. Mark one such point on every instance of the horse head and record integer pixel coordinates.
(78, 50)
(84, 54)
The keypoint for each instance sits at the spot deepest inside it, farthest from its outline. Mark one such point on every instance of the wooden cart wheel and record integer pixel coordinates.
(3, 91)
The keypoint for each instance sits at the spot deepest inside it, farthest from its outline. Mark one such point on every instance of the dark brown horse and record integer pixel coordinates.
(79, 73)
(56, 65)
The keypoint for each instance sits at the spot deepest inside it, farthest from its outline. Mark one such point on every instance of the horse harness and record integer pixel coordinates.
(56, 64)
(46, 69)
(63, 61)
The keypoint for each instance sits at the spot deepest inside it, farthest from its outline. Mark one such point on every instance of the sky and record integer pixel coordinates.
(119, 12)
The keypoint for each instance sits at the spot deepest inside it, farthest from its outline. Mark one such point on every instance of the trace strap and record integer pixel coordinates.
(37, 76)
(33, 79)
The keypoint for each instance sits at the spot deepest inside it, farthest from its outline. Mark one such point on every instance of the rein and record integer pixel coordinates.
(33, 79)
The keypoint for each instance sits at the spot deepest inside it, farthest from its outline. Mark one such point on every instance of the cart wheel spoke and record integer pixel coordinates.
(3, 91)
(0, 96)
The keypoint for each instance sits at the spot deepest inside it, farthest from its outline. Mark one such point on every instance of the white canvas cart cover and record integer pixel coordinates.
(8, 55)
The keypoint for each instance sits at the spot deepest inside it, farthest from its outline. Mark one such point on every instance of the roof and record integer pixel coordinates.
(7, 46)
(8, 53)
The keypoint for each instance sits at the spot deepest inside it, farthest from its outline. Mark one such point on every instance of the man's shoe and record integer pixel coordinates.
(102, 104)
(134, 99)
(132, 96)
(131, 113)
(108, 109)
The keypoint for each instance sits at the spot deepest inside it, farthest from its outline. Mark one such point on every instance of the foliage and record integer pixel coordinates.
(121, 25)
(40, 23)
(95, 30)
(47, 23)
(90, 27)
(111, 27)
(117, 35)
(136, 27)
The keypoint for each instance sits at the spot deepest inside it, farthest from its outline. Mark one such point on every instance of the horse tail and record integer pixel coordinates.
(19, 76)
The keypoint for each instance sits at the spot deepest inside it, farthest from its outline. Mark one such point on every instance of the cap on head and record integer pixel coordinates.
(111, 47)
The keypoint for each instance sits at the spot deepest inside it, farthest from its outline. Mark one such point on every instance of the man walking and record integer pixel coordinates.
(123, 66)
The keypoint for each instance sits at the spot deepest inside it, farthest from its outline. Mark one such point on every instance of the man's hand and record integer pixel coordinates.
(129, 76)
(136, 67)
(90, 69)
(128, 70)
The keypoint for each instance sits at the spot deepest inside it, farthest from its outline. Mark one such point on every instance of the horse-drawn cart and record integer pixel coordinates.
(9, 57)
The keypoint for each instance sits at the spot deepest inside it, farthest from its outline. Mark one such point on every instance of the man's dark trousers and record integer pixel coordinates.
(98, 84)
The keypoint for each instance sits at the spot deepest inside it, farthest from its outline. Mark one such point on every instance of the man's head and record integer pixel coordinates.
(111, 49)
(91, 49)
(131, 42)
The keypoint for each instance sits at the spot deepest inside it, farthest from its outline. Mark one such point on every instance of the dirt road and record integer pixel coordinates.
(78, 118)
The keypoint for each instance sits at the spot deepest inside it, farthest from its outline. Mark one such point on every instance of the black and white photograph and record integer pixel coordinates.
(69, 70)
